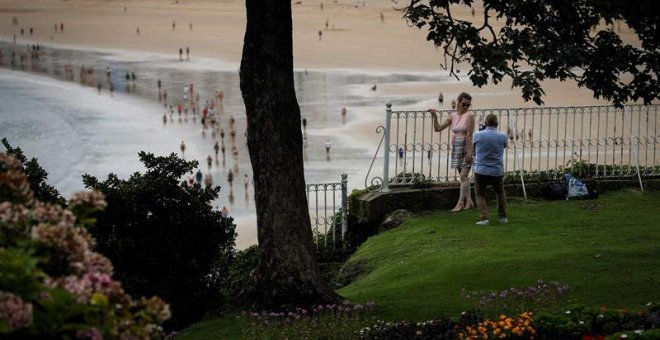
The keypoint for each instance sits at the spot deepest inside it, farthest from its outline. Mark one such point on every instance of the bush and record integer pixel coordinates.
(433, 329)
(540, 295)
(52, 285)
(239, 283)
(36, 176)
(580, 322)
(334, 321)
(164, 237)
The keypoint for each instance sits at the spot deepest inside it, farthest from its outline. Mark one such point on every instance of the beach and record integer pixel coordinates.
(356, 51)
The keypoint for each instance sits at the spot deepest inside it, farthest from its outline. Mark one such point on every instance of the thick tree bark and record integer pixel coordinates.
(288, 272)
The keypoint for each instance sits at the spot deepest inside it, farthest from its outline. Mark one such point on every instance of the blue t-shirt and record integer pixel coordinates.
(489, 147)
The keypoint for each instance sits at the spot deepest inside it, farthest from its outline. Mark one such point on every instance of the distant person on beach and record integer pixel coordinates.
(208, 180)
(373, 88)
(489, 147)
(462, 124)
(182, 147)
(209, 161)
(216, 148)
(173, 25)
(382, 17)
(99, 86)
(180, 53)
(224, 212)
(327, 23)
(320, 35)
(61, 27)
(441, 98)
(31, 30)
(230, 177)
(327, 146)
(343, 114)
(112, 90)
(191, 27)
(198, 176)
(187, 53)
(55, 28)
(137, 31)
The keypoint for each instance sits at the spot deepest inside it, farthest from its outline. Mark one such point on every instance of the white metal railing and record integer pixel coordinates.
(325, 212)
(614, 141)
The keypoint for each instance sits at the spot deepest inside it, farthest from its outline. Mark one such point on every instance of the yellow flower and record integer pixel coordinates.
(98, 299)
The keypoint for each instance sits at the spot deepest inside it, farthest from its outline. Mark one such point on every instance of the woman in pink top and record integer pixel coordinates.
(462, 127)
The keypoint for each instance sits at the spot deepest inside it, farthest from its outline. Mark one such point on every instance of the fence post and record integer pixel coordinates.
(386, 149)
(344, 204)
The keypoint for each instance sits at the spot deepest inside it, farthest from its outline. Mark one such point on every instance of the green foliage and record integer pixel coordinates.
(637, 334)
(408, 177)
(333, 321)
(539, 296)
(36, 176)
(549, 39)
(52, 285)
(239, 283)
(442, 328)
(576, 322)
(164, 237)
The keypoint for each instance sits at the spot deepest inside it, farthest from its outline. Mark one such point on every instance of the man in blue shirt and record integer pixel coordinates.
(489, 147)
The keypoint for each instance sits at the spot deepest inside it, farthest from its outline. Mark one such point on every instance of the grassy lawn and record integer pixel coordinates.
(607, 250)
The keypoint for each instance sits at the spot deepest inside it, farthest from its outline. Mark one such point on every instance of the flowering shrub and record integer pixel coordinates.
(502, 328)
(431, 329)
(334, 321)
(515, 300)
(638, 334)
(590, 323)
(52, 285)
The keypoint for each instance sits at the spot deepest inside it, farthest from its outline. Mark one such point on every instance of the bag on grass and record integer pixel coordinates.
(576, 188)
(555, 190)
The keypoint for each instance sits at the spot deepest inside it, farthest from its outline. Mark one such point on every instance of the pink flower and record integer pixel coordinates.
(92, 334)
(14, 311)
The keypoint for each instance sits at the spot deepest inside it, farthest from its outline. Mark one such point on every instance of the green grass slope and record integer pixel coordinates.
(607, 250)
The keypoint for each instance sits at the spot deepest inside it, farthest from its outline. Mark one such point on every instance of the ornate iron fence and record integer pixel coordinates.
(606, 141)
(325, 213)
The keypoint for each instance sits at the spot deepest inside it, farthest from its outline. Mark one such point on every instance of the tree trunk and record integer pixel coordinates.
(288, 273)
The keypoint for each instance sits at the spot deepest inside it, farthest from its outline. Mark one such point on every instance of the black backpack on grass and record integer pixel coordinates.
(555, 190)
